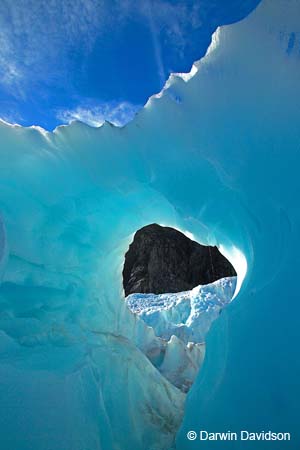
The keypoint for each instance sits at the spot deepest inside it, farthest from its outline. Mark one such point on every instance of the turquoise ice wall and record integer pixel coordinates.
(215, 154)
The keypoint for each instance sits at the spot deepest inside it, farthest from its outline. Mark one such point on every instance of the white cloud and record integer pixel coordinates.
(117, 113)
(38, 38)
(171, 21)
(10, 73)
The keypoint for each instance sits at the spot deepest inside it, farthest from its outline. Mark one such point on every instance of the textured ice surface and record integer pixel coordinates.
(223, 164)
(187, 315)
(3, 247)
(182, 321)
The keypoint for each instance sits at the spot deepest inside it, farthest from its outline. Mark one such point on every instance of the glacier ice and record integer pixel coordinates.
(187, 315)
(223, 164)
(182, 321)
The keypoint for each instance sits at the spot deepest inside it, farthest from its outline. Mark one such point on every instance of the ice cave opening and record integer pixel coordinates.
(178, 287)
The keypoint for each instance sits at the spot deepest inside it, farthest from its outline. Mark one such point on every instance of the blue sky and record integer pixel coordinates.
(99, 59)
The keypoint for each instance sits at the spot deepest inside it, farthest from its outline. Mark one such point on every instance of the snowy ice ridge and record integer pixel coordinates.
(182, 320)
(187, 315)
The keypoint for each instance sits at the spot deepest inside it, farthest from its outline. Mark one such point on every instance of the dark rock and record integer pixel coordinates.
(162, 259)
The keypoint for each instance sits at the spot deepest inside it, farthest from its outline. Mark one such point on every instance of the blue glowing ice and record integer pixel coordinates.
(222, 164)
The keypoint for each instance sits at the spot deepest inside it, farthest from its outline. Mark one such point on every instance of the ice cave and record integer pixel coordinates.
(79, 369)
(178, 287)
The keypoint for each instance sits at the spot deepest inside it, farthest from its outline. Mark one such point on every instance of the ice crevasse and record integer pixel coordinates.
(216, 154)
(181, 320)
